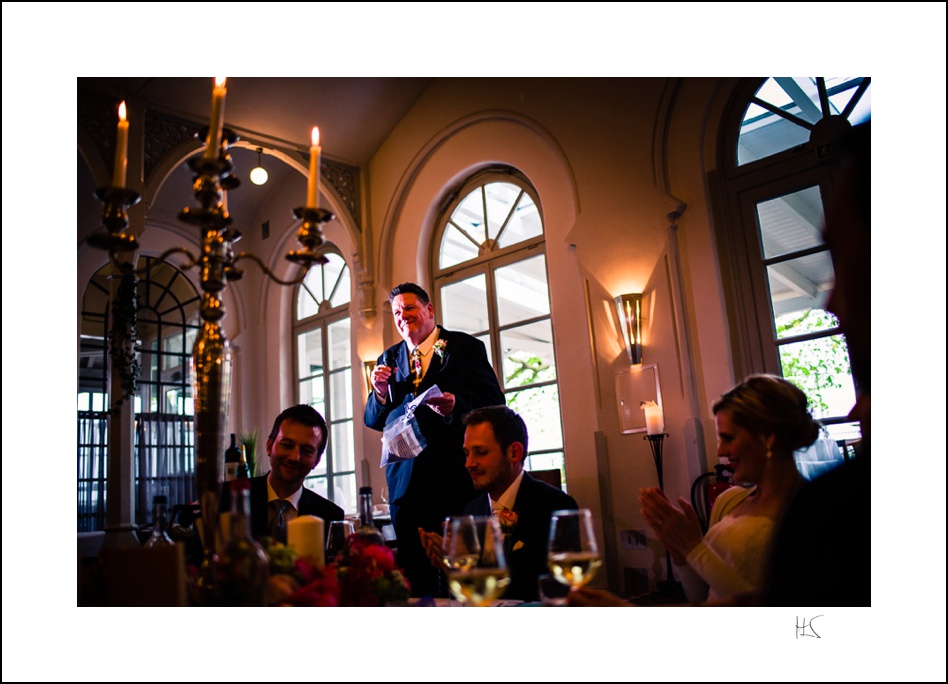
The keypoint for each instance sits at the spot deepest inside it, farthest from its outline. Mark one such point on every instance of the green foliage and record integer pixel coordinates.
(526, 370)
(814, 366)
(249, 440)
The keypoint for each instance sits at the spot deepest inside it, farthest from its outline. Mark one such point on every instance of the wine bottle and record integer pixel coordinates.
(243, 470)
(243, 569)
(231, 459)
(367, 531)
(159, 535)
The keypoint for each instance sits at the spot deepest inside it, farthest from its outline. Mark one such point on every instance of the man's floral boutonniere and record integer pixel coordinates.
(507, 519)
(439, 349)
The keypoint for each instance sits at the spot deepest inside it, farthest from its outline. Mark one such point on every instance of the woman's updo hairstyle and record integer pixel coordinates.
(768, 404)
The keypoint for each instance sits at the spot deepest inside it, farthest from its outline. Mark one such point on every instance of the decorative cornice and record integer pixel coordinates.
(163, 133)
(96, 116)
(345, 181)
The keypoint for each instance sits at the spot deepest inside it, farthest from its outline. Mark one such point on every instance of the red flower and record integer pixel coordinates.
(364, 574)
(507, 519)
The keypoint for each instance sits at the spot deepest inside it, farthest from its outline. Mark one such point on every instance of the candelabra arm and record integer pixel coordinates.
(270, 274)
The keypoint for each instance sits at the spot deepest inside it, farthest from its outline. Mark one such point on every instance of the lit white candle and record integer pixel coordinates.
(654, 420)
(121, 149)
(314, 153)
(305, 534)
(216, 129)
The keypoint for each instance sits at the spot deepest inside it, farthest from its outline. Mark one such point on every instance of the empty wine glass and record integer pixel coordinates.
(474, 556)
(339, 532)
(573, 554)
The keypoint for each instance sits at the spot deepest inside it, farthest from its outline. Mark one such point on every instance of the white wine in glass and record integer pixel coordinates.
(474, 557)
(573, 554)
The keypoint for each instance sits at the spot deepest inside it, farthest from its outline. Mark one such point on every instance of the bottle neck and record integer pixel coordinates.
(161, 517)
(365, 510)
(240, 513)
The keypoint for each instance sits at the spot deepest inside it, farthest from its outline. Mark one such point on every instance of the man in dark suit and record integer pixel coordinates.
(822, 548)
(434, 484)
(295, 446)
(495, 444)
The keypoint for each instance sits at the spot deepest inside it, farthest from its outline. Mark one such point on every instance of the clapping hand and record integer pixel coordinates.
(678, 530)
(434, 548)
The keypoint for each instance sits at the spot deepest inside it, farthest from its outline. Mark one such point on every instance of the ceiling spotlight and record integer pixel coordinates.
(258, 174)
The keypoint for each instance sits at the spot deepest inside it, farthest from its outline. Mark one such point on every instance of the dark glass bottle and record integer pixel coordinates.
(243, 569)
(159, 535)
(231, 459)
(243, 470)
(367, 531)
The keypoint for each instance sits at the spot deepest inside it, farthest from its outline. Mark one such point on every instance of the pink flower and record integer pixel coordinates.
(507, 519)
(439, 348)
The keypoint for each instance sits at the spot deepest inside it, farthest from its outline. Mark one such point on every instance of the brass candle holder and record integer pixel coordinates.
(212, 355)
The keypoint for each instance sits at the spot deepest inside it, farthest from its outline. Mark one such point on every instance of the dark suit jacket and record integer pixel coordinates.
(311, 503)
(534, 507)
(822, 549)
(438, 472)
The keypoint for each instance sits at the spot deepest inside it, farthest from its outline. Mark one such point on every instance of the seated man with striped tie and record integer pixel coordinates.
(295, 446)
(495, 446)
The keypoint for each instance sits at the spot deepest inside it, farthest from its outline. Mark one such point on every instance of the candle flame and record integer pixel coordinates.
(122, 111)
(220, 81)
(315, 136)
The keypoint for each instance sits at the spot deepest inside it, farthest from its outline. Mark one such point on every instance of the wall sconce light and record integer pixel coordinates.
(258, 174)
(367, 368)
(629, 307)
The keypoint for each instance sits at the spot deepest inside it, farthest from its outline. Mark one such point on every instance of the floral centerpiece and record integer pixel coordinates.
(363, 574)
(368, 576)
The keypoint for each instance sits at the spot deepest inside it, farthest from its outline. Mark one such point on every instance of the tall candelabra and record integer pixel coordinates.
(668, 588)
(212, 355)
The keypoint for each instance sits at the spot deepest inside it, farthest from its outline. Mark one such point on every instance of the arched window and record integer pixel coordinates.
(785, 111)
(324, 373)
(778, 166)
(167, 325)
(491, 282)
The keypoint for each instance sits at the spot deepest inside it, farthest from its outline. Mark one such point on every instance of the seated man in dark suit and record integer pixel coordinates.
(295, 445)
(495, 445)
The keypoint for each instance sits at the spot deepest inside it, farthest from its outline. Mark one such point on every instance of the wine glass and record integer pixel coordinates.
(339, 532)
(474, 556)
(573, 554)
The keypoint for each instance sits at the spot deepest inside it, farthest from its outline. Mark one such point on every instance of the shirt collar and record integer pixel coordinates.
(428, 342)
(509, 497)
(293, 498)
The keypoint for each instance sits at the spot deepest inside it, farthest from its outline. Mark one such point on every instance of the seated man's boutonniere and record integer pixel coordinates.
(507, 519)
(439, 349)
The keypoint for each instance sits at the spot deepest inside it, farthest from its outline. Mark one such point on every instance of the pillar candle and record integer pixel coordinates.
(121, 149)
(216, 129)
(314, 153)
(654, 420)
(305, 534)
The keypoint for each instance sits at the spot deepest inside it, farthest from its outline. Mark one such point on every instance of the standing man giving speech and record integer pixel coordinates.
(433, 484)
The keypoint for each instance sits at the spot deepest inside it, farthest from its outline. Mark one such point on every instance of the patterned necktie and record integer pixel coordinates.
(416, 366)
(278, 519)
